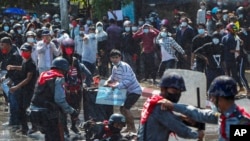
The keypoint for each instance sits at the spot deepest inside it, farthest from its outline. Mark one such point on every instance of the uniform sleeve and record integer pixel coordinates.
(60, 97)
(174, 124)
(200, 115)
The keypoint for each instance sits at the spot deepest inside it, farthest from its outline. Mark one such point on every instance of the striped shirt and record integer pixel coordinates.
(124, 75)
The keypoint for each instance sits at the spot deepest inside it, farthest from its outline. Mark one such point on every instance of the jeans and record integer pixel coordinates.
(14, 107)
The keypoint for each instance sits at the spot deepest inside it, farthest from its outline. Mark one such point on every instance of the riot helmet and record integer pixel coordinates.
(61, 64)
(173, 80)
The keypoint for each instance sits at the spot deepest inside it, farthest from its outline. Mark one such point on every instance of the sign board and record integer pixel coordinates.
(193, 80)
(109, 96)
(118, 14)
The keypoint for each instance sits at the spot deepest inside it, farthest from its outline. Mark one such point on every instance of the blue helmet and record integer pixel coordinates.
(60, 63)
(117, 118)
(173, 80)
(223, 86)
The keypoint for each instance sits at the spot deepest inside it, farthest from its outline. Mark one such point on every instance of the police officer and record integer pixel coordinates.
(49, 103)
(224, 109)
(165, 122)
(107, 130)
(73, 80)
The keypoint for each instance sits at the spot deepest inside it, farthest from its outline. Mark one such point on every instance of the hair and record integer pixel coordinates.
(115, 52)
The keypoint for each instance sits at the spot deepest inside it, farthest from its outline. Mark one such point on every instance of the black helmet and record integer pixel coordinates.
(68, 42)
(30, 33)
(240, 10)
(173, 80)
(223, 86)
(117, 118)
(60, 63)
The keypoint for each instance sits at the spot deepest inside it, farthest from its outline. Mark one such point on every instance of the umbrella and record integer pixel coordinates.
(14, 10)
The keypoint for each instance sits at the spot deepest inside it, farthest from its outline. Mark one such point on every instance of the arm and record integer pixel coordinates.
(87, 73)
(200, 115)
(60, 96)
(173, 123)
(56, 51)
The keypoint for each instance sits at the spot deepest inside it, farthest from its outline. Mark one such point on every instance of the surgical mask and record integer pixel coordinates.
(69, 50)
(99, 28)
(134, 28)
(163, 34)
(81, 33)
(201, 31)
(225, 17)
(57, 20)
(222, 32)
(213, 107)
(240, 16)
(4, 50)
(25, 55)
(203, 7)
(30, 40)
(183, 24)
(12, 21)
(127, 29)
(92, 35)
(244, 31)
(173, 97)
(219, 3)
(151, 19)
(19, 31)
(6, 28)
(215, 41)
(140, 22)
(146, 30)
(88, 22)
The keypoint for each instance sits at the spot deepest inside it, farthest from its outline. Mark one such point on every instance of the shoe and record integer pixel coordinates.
(31, 131)
(66, 133)
(15, 128)
(22, 132)
(75, 130)
(6, 124)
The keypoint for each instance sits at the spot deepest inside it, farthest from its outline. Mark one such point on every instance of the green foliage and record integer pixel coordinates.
(100, 7)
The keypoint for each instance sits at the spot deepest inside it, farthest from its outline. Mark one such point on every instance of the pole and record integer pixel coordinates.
(64, 14)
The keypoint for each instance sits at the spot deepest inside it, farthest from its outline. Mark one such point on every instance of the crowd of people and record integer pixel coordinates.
(38, 57)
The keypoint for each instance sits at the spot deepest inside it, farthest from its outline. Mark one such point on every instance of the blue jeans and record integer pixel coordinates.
(14, 107)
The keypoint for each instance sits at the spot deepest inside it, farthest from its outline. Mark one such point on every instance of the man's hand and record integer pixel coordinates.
(166, 104)
(201, 135)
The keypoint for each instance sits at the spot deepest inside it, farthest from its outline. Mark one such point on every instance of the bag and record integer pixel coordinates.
(108, 96)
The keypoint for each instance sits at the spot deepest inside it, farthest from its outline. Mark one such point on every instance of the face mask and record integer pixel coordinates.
(151, 19)
(201, 31)
(99, 28)
(219, 3)
(215, 41)
(244, 31)
(145, 30)
(6, 28)
(30, 40)
(12, 21)
(92, 35)
(4, 50)
(183, 24)
(88, 22)
(140, 22)
(69, 51)
(19, 31)
(213, 107)
(203, 7)
(163, 34)
(241, 16)
(127, 29)
(32, 29)
(173, 97)
(81, 33)
(114, 129)
(222, 32)
(25, 55)
(57, 20)
(134, 28)
(225, 17)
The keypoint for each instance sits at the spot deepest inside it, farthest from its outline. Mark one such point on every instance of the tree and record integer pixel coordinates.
(100, 7)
